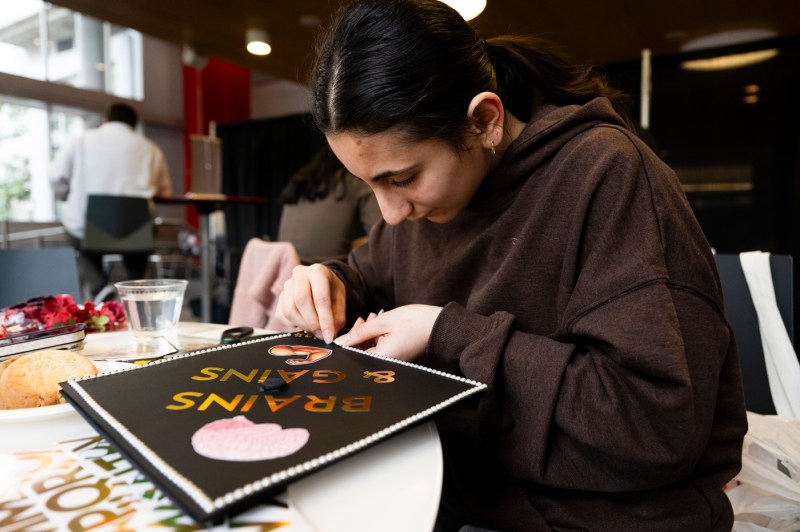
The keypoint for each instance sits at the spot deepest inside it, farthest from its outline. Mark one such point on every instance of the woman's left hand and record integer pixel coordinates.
(401, 333)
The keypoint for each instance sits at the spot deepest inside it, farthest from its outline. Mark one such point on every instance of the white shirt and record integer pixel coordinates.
(111, 159)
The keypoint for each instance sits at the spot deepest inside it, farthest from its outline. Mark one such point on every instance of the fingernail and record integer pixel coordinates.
(343, 339)
(327, 335)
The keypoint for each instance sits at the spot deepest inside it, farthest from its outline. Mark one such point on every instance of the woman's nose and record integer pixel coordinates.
(393, 210)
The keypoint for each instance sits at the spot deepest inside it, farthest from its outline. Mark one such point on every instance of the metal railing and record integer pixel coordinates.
(10, 237)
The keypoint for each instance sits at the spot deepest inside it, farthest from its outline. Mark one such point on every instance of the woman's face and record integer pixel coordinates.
(425, 179)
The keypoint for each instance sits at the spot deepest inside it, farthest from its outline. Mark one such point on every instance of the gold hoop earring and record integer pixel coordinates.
(493, 149)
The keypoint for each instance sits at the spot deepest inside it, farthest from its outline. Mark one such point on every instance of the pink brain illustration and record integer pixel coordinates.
(238, 439)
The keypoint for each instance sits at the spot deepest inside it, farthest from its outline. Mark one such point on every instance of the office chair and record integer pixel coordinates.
(119, 229)
(744, 322)
(119, 224)
(36, 272)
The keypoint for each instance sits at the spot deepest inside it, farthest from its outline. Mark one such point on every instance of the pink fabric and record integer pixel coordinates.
(264, 268)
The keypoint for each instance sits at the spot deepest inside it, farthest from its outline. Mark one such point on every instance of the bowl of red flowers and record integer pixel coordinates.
(48, 312)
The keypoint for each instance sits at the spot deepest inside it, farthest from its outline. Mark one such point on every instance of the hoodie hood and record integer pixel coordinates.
(549, 129)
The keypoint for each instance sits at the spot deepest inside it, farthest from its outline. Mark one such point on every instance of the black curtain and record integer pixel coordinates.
(258, 158)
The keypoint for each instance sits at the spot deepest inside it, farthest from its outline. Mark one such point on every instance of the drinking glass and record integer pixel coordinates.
(152, 306)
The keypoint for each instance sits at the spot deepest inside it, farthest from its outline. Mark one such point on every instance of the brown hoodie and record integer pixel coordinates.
(579, 286)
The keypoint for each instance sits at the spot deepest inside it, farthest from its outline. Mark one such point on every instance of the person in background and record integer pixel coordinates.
(534, 243)
(111, 159)
(326, 210)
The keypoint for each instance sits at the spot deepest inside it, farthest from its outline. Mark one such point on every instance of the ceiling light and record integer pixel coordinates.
(469, 9)
(724, 62)
(729, 38)
(258, 42)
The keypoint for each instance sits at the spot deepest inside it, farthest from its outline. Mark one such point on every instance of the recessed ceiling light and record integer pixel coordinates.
(258, 42)
(469, 9)
(728, 38)
(724, 62)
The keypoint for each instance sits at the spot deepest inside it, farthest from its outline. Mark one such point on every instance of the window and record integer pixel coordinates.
(53, 44)
(731, 136)
(30, 135)
(124, 63)
(23, 130)
(20, 39)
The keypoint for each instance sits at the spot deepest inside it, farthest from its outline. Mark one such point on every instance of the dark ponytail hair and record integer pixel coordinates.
(532, 72)
(415, 65)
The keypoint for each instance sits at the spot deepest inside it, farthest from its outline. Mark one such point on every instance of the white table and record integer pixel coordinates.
(393, 486)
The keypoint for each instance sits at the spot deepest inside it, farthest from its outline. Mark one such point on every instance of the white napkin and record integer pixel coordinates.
(783, 369)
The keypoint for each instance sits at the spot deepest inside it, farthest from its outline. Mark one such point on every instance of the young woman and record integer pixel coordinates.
(532, 242)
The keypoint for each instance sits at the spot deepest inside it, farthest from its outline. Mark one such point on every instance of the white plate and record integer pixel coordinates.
(18, 415)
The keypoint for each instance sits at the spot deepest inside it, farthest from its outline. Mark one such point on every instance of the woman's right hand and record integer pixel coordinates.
(314, 300)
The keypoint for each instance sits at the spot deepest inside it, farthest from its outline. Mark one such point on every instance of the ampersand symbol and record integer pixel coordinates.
(380, 377)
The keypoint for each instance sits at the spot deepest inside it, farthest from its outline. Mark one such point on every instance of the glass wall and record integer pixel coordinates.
(30, 134)
(20, 39)
(23, 130)
(732, 135)
(52, 44)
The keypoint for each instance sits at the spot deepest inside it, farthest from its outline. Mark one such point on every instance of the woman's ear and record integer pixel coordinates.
(487, 116)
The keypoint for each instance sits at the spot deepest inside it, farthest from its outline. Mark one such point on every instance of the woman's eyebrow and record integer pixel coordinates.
(390, 173)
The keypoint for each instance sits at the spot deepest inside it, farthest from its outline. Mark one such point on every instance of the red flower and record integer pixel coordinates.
(58, 310)
(49, 312)
(114, 311)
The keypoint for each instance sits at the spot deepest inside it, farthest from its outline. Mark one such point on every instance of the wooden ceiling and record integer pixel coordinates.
(601, 31)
